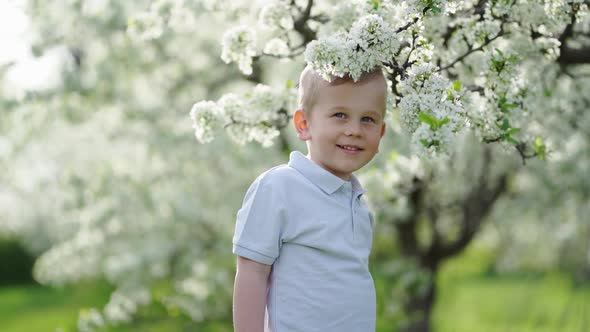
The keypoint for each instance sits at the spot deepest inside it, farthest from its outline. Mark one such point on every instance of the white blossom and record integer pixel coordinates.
(239, 45)
(206, 120)
(428, 142)
(276, 46)
(90, 320)
(341, 17)
(250, 117)
(369, 43)
(393, 181)
(235, 109)
(124, 303)
(430, 108)
(145, 26)
(276, 15)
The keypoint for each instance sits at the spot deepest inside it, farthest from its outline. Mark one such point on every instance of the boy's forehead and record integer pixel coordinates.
(370, 92)
(342, 91)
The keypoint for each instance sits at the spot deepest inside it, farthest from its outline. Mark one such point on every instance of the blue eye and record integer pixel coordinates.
(368, 119)
(340, 115)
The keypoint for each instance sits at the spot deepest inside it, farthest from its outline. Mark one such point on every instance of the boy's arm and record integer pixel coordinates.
(250, 289)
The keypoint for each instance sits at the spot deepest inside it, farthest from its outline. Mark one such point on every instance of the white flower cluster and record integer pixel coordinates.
(239, 45)
(370, 42)
(557, 10)
(276, 15)
(252, 117)
(483, 122)
(123, 304)
(498, 114)
(206, 120)
(435, 6)
(481, 31)
(152, 23)
(430, 108)
(145, 26)
(205, 283)
(342, 15)
(549, 47)
(90, 320)
(432, 143)
(276, 46)
(393, 182)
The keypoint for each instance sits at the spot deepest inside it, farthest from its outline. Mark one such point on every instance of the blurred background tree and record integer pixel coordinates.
(103, 181)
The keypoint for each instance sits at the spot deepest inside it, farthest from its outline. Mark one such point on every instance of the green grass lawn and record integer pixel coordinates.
(469, 300)
(36, 308)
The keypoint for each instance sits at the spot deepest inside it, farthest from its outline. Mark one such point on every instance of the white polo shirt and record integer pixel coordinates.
(316, 231)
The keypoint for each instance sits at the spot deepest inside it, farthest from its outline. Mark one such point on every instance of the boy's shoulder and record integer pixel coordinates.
(276, 182)
(278, 176)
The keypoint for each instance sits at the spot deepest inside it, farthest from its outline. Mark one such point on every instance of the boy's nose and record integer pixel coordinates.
(353, 129)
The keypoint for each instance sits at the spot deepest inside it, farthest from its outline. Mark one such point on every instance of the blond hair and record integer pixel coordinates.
(310, 83)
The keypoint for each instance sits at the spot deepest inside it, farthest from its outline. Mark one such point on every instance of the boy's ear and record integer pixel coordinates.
(382, 129)
(301, 125)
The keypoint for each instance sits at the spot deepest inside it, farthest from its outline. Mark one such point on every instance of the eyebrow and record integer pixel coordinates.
(373, 112)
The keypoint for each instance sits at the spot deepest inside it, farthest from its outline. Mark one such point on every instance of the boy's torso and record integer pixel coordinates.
(320, 280)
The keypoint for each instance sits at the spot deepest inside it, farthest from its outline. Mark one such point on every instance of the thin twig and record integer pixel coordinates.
(473, 50)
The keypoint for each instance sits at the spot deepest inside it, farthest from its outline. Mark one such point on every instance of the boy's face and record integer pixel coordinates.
(345, 125)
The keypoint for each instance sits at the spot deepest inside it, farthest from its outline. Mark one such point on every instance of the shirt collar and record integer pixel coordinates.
(326, 181)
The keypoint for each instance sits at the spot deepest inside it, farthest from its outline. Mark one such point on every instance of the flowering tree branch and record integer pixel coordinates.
(300, 25)
(472, 50)
(569, 55)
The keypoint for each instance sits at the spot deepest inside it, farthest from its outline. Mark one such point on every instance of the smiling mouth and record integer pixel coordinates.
(349, 147)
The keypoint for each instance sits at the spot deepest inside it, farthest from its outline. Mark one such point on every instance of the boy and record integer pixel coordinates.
(304, 234)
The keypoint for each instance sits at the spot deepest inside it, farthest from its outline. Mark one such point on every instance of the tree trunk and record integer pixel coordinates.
(420, 308)
(474, 207)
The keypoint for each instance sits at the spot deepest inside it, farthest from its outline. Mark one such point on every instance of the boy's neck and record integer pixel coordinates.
(347, 178)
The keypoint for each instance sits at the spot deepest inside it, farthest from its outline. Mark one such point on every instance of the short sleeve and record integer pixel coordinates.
(259, 223)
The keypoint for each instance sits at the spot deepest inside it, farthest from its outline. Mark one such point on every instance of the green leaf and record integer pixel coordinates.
(375, 4)
(539, 148)
(432, 121)
(428, 144)
(450, 95)
(289, 84)
(427, 118)
(436, 9)
(513, 58)
(512, 140)
(457, 85)
(505, 106)
(510, 105)
(504, 125)
(512, 131)
(547, 92)
(393, 156)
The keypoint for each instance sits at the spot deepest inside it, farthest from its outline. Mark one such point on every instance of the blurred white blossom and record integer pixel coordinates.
(239, 45)
(276, 46)
(276, 15)
(370, 42)
(206, 120)
(90, 320)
